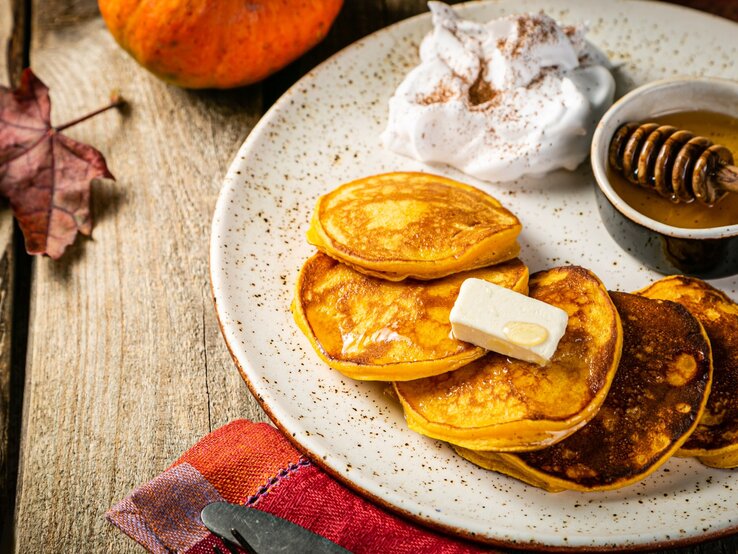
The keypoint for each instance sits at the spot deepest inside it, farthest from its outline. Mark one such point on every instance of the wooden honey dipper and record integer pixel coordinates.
(675, 163)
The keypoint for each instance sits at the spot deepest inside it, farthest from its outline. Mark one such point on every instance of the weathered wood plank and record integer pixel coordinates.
(125, 366)
(14, 38)
(11, 39)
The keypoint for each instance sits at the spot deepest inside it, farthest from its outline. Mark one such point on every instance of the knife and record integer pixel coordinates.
(263, 532)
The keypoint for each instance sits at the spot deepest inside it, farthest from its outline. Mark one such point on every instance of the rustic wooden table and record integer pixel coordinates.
(111, 360)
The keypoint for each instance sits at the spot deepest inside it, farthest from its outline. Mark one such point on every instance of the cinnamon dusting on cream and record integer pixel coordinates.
(518, 95)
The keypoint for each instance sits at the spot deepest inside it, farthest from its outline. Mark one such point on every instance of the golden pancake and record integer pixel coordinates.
(655, 402)
(373, 329)
(497, 403)
(715, 441)
(400, 225)
(728, 460)
(503, 257)
(509, 464)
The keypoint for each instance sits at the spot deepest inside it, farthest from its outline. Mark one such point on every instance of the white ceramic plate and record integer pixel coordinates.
(323, 132)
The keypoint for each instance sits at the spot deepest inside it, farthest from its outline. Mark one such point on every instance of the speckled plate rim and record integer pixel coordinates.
(526, 542)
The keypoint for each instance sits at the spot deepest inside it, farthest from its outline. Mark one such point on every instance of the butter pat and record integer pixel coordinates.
(507, 322)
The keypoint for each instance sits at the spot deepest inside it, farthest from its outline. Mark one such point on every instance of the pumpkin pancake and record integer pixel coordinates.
(498, 403)
(373, 329)
(715, 441)
(400, 225)
(655, 402)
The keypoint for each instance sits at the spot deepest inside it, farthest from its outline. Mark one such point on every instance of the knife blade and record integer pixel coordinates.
(264, 532)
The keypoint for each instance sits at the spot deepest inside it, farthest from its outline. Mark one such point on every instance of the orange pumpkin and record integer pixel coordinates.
(217, 43)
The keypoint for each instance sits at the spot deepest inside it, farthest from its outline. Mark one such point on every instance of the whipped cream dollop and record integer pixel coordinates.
(516, 96)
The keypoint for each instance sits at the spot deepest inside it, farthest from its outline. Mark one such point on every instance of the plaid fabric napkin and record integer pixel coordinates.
(253, 464)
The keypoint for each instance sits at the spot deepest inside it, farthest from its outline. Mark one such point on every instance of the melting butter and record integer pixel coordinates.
(507, 322)
(524, 333)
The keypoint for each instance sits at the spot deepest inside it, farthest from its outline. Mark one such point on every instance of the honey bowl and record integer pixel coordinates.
(672, 239)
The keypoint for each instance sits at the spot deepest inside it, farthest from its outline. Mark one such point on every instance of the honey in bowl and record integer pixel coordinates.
(721, 129)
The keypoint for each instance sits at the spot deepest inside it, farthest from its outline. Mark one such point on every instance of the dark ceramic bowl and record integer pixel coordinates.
(706, 253)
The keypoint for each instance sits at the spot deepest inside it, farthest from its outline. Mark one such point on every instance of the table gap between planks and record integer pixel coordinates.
(111, 360)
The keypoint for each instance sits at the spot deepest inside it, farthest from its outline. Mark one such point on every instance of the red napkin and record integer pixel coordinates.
(253, 464)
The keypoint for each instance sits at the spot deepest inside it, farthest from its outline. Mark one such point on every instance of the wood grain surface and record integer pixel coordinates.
(9, 387)
(125, 364)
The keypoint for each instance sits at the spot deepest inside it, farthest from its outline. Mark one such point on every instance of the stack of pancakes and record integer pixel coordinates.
(627, 387)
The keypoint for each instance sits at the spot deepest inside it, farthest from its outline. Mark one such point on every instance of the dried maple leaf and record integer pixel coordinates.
(45, 175)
